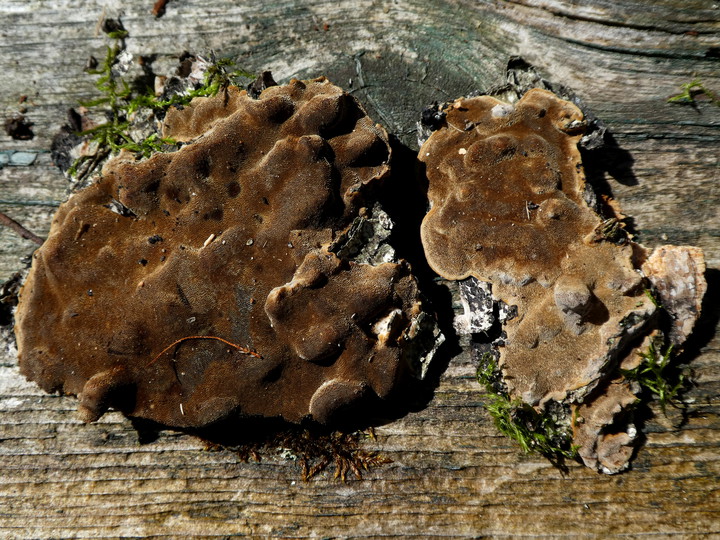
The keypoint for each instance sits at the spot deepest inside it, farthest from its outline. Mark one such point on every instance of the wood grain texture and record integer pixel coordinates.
(452, 475)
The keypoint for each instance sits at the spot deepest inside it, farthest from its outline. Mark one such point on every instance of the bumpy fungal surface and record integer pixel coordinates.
(198, 284)
(510, 208)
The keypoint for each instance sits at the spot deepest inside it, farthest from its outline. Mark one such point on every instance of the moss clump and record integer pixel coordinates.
(533, 431)
(119, 101)
(657, 374)
(692, 90)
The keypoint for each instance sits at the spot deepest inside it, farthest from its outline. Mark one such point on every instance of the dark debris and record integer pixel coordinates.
(159, 8)
(264, 80)
(19, 127)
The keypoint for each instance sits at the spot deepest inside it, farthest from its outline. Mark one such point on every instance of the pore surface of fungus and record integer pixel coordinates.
(198, 284)
(510, 207)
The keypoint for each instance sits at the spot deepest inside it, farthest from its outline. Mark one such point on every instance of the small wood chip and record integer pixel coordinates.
(158, 9)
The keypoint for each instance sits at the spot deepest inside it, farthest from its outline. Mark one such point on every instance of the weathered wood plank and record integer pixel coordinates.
(453, 475)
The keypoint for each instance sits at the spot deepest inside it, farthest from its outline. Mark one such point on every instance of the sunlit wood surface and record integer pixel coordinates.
(452, 474)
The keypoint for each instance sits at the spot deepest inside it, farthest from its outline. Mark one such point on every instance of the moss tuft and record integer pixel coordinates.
(692, 90)
(119, 100)
(533, 431)
(657, 375)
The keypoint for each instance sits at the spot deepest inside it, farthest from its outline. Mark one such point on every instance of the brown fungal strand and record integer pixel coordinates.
(507, 195)
(232, 232)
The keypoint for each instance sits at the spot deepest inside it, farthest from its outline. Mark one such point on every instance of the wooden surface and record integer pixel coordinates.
(452, 475)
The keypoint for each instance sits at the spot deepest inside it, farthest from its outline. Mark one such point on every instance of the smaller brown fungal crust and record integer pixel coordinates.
(226, 237)
(516, 174)
(509, 207)
(597, 447)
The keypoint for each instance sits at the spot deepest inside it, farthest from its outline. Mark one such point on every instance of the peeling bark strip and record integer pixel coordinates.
(19, 229)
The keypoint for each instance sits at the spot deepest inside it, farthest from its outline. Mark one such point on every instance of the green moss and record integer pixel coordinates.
(118, 100)
(691, 90)
(219, 75)
(653, 298)
(533, 431)
(657, 375)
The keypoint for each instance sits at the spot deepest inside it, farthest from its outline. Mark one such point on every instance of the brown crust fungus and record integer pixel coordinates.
(509, 206)
(198, 285)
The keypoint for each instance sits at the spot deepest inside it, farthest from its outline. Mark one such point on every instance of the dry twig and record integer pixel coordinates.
(22, 231)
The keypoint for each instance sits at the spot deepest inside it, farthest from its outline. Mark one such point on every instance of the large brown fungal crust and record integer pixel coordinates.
(226, 237)
(509, 206)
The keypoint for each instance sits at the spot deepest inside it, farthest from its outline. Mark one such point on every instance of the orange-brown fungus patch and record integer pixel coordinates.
(505, 182)
(226, 237)
(507, 189)
(508, 207)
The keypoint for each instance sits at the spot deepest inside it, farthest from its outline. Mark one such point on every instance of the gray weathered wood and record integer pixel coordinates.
(453, 475)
